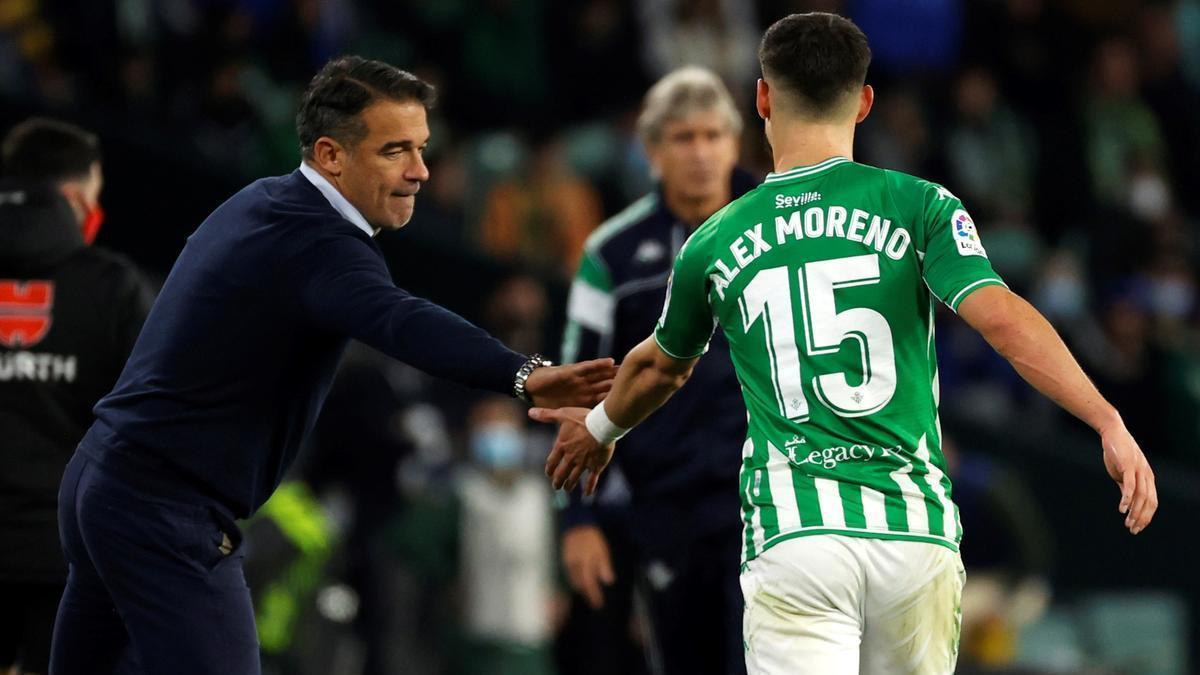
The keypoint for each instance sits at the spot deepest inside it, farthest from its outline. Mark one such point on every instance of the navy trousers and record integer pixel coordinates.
(155, 583)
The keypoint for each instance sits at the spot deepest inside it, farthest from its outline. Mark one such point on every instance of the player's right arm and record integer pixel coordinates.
(1023, 336)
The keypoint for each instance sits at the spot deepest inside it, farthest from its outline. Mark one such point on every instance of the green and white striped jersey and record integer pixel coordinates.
(822, 279)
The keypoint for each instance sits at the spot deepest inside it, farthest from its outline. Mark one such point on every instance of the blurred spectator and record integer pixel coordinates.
(1122, 134)
(720, 35)
(897, 135)
(992, 153)
(505, 540)
(589, 42)
(69, 316)
(679, 535)
(516, 314)
(1010, 555)
(542, 215)
(502, 48)
(1173, 98)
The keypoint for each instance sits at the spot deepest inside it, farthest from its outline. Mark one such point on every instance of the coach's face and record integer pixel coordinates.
(380, 175)
(695, 155)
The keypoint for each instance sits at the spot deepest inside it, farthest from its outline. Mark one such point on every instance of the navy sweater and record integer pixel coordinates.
(237, 354)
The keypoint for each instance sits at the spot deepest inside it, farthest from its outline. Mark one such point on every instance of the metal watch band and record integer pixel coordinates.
(527, 368)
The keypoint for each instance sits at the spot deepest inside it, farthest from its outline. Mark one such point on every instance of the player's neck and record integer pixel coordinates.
(692, 210)
(805, 144)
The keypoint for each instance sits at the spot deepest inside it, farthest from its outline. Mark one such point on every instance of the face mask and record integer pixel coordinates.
(91, 224)
(498, 446)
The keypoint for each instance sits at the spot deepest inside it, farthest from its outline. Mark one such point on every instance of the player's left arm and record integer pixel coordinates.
(1019, 333)
(649, 375)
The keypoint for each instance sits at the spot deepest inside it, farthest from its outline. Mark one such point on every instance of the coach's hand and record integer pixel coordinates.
(575, 450)
(588, 562)
(575, 384)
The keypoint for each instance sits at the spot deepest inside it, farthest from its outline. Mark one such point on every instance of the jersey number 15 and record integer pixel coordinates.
(768, 296)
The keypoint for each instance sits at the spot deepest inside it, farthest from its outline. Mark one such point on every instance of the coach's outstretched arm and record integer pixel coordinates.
(646, 379)
(346, 289)
(1023, 336)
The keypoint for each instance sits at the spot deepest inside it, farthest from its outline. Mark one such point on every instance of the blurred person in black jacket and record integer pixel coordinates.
(681, 534)
(69, 314)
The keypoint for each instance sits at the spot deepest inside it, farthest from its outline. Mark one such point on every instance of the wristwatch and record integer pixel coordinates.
(535, 361)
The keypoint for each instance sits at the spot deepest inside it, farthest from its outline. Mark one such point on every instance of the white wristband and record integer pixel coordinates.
(602, 428)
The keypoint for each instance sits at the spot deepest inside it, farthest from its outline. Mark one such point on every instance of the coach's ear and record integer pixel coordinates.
(329, 156)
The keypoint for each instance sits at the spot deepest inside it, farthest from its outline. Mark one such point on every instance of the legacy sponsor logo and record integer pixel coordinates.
(830, 458)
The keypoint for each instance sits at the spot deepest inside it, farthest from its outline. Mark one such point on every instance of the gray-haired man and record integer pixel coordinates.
(683, 524)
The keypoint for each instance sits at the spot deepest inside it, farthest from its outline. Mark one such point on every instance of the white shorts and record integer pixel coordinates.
(836, 605)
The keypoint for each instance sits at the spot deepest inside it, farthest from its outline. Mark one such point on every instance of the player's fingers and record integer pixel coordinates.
(1138, 503)
(563, 471)
(1148, 506)
(553, 459)
(1151, 499)
(589, 488)
(573, 477)
(1128, 487)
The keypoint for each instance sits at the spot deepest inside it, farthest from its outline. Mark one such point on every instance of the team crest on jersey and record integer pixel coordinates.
(965, 236)
(25, 312)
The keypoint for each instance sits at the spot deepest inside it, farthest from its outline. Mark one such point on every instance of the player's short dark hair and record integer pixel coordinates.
(342, 89)
(44, 149)
(817, 58)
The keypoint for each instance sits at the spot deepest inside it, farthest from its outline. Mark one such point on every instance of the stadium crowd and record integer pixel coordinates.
(1068, 127)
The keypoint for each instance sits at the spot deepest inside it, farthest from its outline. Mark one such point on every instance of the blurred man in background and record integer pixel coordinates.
(682, 526)
(69, 314)
(505, 549)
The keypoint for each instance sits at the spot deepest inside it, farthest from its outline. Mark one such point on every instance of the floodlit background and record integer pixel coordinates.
(1070, 128)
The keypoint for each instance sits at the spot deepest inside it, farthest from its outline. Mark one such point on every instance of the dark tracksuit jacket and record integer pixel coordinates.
(69, 314)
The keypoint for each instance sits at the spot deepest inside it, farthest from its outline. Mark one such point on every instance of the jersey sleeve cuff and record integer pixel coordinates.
(677, 355)
(971, 288)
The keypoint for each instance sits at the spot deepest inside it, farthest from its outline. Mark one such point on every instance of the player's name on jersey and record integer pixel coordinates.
(37, 367)
(814, 222)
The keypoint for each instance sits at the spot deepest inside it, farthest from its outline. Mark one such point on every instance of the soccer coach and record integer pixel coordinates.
(229, 373)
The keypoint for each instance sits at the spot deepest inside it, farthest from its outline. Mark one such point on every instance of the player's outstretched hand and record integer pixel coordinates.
(1129, 468)
(575, 384)
(575, 450)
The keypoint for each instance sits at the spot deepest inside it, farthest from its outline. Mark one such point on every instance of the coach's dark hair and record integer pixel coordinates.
(817, 57)
(44, 149)
(342, 89)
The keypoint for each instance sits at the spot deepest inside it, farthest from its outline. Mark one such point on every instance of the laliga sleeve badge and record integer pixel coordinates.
(965, 236)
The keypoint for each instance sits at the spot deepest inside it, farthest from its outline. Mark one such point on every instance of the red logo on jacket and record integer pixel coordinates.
(25, 312)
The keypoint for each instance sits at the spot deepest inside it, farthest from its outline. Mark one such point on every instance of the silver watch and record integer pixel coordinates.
(535, 361)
